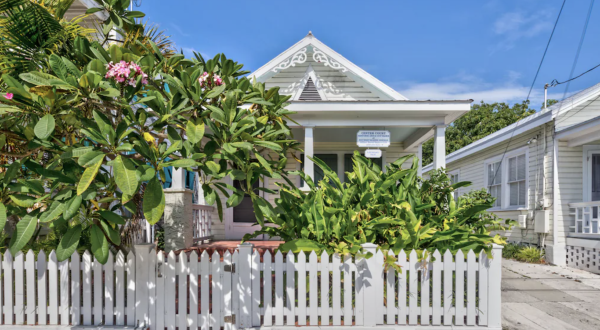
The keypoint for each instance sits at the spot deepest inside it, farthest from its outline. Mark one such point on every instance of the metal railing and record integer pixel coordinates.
(586, 217)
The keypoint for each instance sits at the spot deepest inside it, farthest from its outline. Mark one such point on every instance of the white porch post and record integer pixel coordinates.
(439, 147)
(309, 151)
(178, 216)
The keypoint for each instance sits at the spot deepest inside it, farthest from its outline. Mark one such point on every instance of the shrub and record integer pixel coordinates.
(393, 209)
(530, 254)
(84, 149)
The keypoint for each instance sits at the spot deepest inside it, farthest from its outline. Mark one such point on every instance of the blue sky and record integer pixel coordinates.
(484, 50)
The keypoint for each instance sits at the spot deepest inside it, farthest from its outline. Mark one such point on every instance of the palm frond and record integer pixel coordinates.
(146, 32)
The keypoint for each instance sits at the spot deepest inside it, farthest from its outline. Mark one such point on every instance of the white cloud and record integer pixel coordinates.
(464, 87)
(179, 30)
(514, 26)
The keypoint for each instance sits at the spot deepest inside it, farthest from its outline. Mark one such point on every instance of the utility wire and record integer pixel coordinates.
(546, 50)
(583, 33)
(555, 82)
(530, 89)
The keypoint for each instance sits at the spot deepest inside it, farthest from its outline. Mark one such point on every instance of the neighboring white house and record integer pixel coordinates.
(545, 173)
(334, 99)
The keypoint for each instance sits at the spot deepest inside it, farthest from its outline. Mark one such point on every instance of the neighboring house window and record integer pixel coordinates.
(494, 179)
(595, 168)
(506, 179)
(517, 184)
(454, 178)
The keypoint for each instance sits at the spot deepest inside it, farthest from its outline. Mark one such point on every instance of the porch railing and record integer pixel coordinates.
(202, 219)
(586, 217)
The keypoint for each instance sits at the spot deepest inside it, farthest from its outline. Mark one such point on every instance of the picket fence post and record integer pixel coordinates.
(245, 284)
(495, 291)
(370, 281)
(142, 285)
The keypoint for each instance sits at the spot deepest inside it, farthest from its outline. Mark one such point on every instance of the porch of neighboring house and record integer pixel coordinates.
(578, 194)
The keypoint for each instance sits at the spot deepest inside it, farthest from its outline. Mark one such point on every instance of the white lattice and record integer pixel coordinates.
(583, 258)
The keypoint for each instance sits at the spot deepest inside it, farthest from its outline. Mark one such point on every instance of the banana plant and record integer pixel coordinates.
(394, 209)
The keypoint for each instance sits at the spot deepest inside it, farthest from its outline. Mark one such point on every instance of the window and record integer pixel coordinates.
(517, 184)
(595, 160)
(494, 179)
(506, 179)
(454, 178)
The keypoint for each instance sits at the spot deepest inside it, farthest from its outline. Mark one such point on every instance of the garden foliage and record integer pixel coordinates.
(87, 131)
(393, 209)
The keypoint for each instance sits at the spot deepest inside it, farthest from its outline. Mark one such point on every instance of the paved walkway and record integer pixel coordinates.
(549, 297)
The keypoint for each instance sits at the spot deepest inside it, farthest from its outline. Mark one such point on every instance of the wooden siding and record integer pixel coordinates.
(472, 169)
(336, 84)
(570, 186)
(585, 111)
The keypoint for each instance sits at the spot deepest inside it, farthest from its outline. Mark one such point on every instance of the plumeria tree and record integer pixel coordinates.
(87, 134)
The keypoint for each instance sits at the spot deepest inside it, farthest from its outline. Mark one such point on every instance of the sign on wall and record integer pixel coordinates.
(373, 153)
(375, 139)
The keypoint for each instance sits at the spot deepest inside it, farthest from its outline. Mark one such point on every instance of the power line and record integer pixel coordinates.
(555, 82)
(532, 84)
(546, 50)
(583, 33)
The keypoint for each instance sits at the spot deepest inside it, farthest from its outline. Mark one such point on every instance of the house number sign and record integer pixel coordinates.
(373, 139)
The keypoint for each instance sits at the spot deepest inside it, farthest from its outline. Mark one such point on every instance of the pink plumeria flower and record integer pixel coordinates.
(9, 96)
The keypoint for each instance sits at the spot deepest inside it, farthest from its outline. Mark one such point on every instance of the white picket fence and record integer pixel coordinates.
(245, 290)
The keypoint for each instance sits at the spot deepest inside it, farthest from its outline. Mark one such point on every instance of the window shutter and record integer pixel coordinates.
(168, 177)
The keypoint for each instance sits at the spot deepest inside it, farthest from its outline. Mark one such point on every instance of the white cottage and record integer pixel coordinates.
(334, 99)
(548, 178)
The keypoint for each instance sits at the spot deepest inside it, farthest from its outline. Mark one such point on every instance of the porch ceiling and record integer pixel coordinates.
(348, 134)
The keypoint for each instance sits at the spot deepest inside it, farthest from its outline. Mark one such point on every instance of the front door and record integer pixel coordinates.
(241, 219)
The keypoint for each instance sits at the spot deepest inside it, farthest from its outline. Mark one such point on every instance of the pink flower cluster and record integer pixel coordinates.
(125, 72)
(205, 81)
(9, 96)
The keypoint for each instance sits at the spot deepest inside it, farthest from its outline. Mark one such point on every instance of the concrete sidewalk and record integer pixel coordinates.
(549, 297)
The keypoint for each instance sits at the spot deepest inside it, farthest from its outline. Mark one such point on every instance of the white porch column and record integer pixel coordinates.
(309, 151)
(178, 217)
(439, 147)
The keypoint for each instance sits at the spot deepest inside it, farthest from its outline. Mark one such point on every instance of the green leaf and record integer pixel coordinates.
(44, 128)
(216, 91)
(111, 232)
(55, 210)
(112, 217)
(301, 244)
(2, 216)
(68, 243)
(270, 145)
(23, 200)
(181, 163)
(99, 244)
(23, 233)
(194, 131)
(115, 53)
(91, 158)
(125, 176)
(154, 201)
(88, 176)
(38, 78)
(58, 66)
(235, 199)
(72, 207)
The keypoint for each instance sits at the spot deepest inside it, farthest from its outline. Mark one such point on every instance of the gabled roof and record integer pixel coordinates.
(523, 125)
(322, 53)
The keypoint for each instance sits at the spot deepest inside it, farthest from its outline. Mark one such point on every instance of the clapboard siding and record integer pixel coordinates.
(570, 183)
(337, 85)
(472, 169)
(586, 110)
